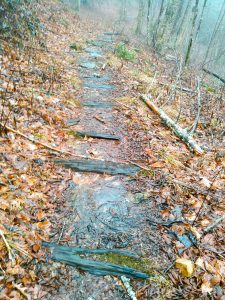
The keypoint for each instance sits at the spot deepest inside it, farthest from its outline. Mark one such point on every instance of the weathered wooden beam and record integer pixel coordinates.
(98, 104)
(73, 250)
(99, 166)
(91, 85)
(95, 267)
(97, 135)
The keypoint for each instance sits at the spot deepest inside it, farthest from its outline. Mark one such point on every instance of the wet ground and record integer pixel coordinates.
(105, 213)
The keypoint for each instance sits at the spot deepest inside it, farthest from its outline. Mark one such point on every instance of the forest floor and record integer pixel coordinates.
(75, 84)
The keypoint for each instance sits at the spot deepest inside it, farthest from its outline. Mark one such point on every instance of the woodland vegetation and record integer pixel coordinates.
(168, 63)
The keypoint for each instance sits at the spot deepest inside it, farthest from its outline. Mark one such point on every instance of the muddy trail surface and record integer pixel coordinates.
(105, 209)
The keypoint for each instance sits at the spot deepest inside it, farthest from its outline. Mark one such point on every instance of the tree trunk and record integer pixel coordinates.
(148, 21)
(190, 43)
(156, 26)
(140, 17)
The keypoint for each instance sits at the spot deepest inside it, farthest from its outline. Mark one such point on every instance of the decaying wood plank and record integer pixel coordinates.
(99, 166)
(97, 135)
(180, 132)
(95, 86)
(96, 267)
(98, 104)
(73, 250)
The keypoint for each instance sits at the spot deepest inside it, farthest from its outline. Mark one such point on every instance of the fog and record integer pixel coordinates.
(193, 30)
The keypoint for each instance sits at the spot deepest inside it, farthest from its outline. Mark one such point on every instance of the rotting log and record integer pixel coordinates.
(98, 104)
(178, 131)
(73, 250)
(96, 267)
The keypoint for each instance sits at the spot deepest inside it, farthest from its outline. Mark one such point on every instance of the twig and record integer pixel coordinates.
(203, 202)
(21, 290)
(197, 189)
(126, 282)
(7, 245)
(34, 141)
(61, 233)
(123, 104)
(214, 224)
(174, 86)
(195, 125)
(99, 119)
(141, 167)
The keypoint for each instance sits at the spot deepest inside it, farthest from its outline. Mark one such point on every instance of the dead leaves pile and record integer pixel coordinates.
(191, 188)
(34, 99)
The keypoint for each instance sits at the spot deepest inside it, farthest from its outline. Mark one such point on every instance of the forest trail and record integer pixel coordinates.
(105, 211)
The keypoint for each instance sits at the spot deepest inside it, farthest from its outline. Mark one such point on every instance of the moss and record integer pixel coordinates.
(141, 264)
(74, 102)
(147, 173)
(74, 134)
(209, 88)
(38, 135)
(76, 47)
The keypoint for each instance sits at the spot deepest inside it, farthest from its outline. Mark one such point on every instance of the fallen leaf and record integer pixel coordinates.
(158, 164)
(186, 266)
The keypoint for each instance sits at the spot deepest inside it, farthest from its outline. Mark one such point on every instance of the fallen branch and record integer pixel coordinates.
(214, 224)
(195, 188)
(33, 140)
(180, 132)
(214, 74)
(130, 292)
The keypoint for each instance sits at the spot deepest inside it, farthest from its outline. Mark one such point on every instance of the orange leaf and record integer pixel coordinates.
(43, 225)
(40, 215)
(36, 247)
(158, 164)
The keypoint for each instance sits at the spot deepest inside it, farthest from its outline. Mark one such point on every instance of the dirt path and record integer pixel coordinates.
(104, 211)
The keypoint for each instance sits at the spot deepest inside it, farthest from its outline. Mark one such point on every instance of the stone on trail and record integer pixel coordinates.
(97, 135)
(99, 166)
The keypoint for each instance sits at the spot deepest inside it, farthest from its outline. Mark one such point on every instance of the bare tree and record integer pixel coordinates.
(193, 26)
(140, 18)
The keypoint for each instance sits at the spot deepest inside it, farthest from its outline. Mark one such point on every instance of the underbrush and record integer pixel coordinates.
(124, 53)
(18, 19)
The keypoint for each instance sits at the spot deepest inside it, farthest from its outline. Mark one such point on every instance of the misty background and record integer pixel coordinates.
(193, 31)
